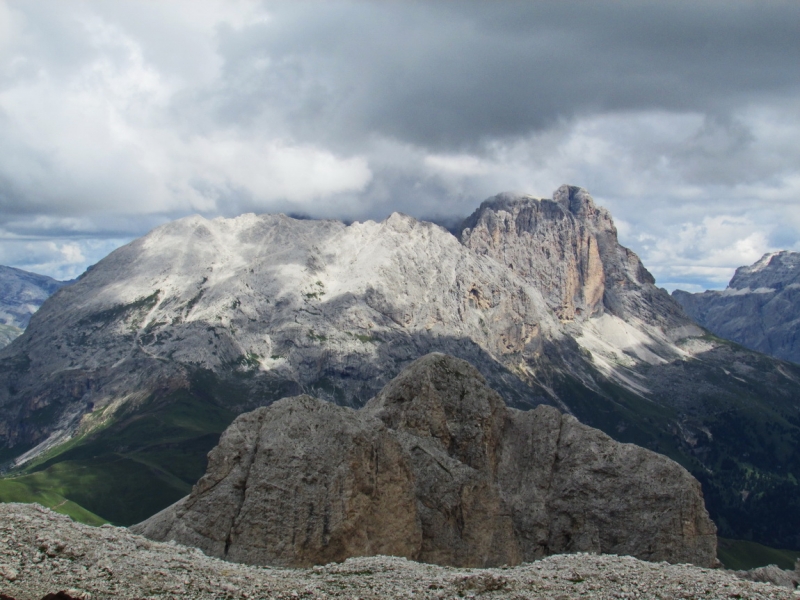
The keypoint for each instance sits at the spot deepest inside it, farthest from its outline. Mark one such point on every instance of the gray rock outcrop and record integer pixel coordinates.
(760, 308)
(437, 469)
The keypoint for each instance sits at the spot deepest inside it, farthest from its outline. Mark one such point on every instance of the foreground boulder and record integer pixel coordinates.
(437, 469)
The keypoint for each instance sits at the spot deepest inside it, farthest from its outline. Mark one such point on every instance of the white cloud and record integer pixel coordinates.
(709, 250)
(60, 258)
(105, 139)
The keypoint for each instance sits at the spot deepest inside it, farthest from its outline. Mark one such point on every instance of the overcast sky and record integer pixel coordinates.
(682, 118)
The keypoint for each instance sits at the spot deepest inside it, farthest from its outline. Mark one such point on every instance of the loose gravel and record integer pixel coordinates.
(42, 552)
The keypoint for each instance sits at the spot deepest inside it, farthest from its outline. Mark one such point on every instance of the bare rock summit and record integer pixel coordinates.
(436, 469)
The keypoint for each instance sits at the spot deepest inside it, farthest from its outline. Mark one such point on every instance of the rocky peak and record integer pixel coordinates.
(567, 247)
(447, 400)
(760, 308)
(437, 469)
(774, 270)
(575, 200)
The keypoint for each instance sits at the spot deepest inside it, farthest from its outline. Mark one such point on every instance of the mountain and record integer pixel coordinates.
(760, 308)
(436, 469)
(21, 294)
(124, 381)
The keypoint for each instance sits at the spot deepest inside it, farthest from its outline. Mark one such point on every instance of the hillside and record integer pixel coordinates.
(123, 381)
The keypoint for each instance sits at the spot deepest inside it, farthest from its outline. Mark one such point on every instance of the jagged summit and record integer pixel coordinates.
(568, 248)
(759, 309)
(576, 200)
(571, 199)
(774, 270)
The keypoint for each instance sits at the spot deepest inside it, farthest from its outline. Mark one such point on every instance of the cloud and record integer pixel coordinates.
(706, 251)
(60, 258)
(680, 117)
(443, 75)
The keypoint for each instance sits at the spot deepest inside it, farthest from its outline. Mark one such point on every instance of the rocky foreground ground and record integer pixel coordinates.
(42, 553)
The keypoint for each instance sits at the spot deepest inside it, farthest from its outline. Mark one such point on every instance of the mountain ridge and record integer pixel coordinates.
(759, 309)
(232, 314)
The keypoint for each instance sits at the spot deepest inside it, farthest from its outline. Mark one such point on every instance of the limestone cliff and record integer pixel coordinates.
(568, 249)
(435, 468)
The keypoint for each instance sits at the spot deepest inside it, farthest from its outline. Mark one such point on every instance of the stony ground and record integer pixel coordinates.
(42, 553)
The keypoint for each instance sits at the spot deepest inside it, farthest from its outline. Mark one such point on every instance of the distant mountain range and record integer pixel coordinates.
(21, 294)
(760, 308)
(123, 381)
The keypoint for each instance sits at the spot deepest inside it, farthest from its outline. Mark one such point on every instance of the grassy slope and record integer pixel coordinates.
(743, 555)
(140, 464)
(31, 489)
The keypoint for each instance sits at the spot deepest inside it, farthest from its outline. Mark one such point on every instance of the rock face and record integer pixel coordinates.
(759, 309)
(21, 294)
(434, 468)
(567, 248)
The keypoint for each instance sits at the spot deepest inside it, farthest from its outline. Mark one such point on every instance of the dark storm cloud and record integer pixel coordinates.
(449, 75)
